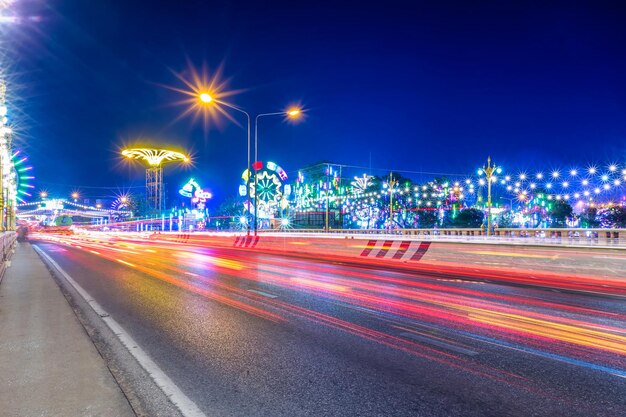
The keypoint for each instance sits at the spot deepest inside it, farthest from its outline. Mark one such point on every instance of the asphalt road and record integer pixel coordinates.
(245, 334)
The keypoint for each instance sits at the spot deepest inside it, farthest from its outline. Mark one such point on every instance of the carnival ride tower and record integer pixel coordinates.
(155, 159)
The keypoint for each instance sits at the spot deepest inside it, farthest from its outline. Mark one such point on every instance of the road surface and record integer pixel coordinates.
(245, 334)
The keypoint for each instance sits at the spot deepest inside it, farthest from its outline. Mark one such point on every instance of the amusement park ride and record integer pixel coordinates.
(154, 158)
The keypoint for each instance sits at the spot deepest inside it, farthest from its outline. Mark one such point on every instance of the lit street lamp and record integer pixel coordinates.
(489, 170)
(392, 183)
(206, 98)
(293, 113)
(510, 201)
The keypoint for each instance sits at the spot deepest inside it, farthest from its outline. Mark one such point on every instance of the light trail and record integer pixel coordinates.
(539, 322)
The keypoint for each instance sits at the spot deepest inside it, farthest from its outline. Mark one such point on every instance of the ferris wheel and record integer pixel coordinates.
(265, 188)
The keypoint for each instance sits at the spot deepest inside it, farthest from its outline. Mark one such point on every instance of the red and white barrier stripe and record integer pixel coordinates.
(405, 250)
(246, 241)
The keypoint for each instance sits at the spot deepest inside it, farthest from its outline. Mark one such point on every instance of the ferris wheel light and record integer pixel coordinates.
(573, 172)
(576, 195)
(617, 182)
(612, 167)
(606, 186)
(592, 170)
(604, 177)
(585, 182)
(555, 174)
(565, 184)
(522, 177)
(539, 175)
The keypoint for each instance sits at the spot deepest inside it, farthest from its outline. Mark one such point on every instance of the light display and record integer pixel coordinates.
(363, 200)
(154, 158)
(8, 183)
(600, 184)
(194, 191)
(266, 189)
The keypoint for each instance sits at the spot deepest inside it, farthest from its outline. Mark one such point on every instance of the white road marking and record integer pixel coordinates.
(439, 343)
(187, 407)
(264, 294)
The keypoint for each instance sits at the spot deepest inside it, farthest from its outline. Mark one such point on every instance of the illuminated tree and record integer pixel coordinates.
(614, 217)
(589, 218)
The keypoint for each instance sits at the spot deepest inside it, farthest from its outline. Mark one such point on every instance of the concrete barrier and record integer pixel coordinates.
(420, 255)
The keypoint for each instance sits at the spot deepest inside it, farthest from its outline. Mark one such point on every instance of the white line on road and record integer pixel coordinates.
(439, 343)
(187, 407)
(264, 294)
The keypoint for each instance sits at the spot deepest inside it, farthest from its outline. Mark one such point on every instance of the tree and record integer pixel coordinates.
(469, 218)
(505, 219)
(231, 206)
(614, 217)
(561, 210)
(589, 218)
(427, 219)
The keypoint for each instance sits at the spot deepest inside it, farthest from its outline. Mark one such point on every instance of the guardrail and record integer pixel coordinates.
(7, 240)
(583, 237)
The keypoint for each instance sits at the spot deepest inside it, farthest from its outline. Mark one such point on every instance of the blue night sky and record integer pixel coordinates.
(422, 86)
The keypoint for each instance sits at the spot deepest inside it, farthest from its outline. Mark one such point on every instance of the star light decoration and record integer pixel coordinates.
(577, 186)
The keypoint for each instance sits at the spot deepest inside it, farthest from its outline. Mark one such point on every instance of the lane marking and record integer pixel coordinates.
(439, 343)
(186, 406)
(264, 294)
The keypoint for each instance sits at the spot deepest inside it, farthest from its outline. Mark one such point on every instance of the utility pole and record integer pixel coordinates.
(327, 194)
(392, 183)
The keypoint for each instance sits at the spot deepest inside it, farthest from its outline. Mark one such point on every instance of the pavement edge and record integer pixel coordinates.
(145, 397)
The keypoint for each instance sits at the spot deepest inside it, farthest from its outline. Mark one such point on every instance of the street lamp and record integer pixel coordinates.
(75, 196)
(206, 98)
(292, 113)
(392, 183)
(510, 201)
(489, 170)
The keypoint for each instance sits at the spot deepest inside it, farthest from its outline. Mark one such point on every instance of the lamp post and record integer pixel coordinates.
(207, 99)
(489, 170)
(392, 183)
(510, 201)
(289, 113)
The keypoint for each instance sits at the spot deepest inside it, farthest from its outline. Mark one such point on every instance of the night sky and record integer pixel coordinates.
(421, 86)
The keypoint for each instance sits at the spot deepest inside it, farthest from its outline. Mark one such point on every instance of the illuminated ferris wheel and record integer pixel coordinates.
(265, 188)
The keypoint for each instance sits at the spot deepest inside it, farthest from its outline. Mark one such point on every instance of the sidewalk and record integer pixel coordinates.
(48, 364)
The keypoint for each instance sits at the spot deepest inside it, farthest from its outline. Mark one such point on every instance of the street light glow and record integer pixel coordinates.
(206, 98)
(293, 113)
